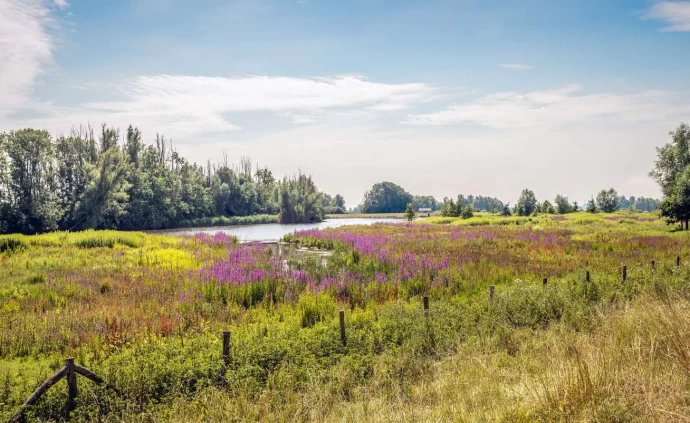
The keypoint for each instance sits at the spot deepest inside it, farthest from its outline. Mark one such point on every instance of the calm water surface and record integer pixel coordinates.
(275, 231)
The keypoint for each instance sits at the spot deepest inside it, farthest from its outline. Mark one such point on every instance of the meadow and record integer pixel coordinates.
(146, 312)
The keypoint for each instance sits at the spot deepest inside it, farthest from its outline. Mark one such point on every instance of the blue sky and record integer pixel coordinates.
(484, 97)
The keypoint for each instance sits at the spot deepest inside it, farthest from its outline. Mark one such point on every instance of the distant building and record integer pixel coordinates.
(426, 210)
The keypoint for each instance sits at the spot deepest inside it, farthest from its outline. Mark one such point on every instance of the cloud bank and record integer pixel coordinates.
(675, 13)
(548, 108)
(25, 48)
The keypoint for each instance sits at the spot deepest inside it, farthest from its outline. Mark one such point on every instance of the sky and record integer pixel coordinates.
(476, 97)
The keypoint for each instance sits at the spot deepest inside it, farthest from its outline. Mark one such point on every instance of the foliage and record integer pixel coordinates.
(385, 197)
(527, 203)
(80, 182)
(607, 200)
(671, 169)
(300, 200)
(410, 213)
(562, 205)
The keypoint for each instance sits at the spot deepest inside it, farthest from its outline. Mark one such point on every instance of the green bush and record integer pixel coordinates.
(10, 244)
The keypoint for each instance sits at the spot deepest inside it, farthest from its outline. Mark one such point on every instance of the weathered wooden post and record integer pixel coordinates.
(226, 347)
(71, 375)
(625, 273)
(426, 304)
(342, 328)
(545, 281)
(491, 292)
(653, 265)
(587, 278)
(678, 261)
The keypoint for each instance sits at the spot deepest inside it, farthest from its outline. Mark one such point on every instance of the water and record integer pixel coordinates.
(275, 231)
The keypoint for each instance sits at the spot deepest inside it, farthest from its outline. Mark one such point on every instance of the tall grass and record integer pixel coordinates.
(146, 313)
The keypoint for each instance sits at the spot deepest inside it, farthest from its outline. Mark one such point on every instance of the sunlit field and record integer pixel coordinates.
(146, 313)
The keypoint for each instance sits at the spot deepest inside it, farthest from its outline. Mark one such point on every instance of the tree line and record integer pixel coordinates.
(387, 197)
(109, 181)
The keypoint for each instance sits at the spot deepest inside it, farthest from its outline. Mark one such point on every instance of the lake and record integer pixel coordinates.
(275, 231)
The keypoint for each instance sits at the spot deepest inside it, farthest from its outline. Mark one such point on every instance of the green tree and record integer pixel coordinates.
(671, 172)
(546, 207)
(467, 212)
(506, 210)
(527, 203)
(105, 197)
(409, 212)
(385, 197)
(31, 195)
(672, 159)
(676, 205)
(607, 200)
(339, 201)
(563, 206)
(592, 206)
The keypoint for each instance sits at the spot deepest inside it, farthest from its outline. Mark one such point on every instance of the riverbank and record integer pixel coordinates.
(366, 216)
(256, 219)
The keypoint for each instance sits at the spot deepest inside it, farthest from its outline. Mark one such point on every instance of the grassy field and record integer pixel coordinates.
(146, 312)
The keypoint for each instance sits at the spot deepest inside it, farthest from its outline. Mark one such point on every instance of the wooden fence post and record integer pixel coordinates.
(653, 265)
(625, 273)
(342, 328)
(678, 261)
(71, 375)
(491, 292)
(226, 347)
(545, 281)
(587, 276)
(426, 304)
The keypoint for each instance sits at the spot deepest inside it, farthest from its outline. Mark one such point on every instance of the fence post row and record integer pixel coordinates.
(71, 369)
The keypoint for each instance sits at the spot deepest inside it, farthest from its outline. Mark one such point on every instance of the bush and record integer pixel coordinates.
(10, 244)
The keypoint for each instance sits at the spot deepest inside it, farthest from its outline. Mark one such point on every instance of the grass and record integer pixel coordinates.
(228, 221)
(146, 312)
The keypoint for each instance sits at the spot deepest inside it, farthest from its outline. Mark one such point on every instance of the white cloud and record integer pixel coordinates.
(256, 93)
(515, 66)
(25, 47)
(675, 13)
(62, 4)
(559, 106)
(199, 106)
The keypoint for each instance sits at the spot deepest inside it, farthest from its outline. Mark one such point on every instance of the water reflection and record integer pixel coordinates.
(274, 231)
(296, 258)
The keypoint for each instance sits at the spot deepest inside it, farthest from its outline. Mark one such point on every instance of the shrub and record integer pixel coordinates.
(11, 244)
